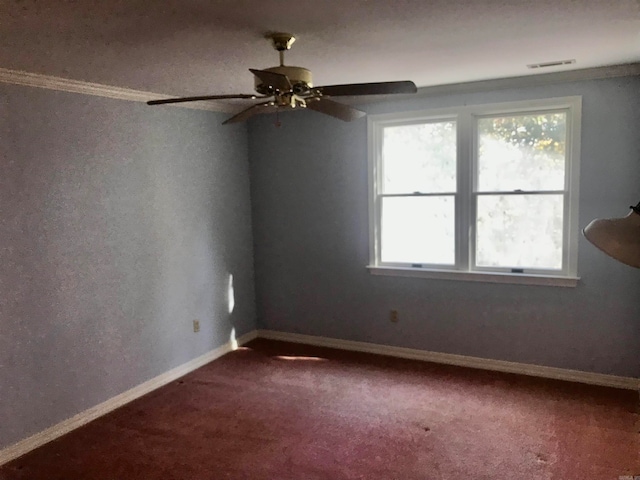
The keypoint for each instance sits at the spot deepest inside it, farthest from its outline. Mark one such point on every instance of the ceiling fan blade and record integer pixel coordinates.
(197, 99)
(278, 81)
(335, 109)
(380, 88)
(265, 107)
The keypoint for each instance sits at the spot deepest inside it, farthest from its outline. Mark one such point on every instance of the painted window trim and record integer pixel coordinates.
(476, 276)
(465, 116)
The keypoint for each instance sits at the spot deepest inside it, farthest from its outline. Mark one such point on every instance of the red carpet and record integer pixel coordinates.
(279, 411)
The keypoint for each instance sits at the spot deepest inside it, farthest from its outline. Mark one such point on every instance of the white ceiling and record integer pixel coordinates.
(191, 47)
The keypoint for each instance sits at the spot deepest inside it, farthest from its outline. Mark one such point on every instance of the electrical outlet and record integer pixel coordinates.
(393, 316)
(196, 326)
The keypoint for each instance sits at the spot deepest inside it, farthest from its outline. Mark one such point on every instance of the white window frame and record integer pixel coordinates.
(465, 197)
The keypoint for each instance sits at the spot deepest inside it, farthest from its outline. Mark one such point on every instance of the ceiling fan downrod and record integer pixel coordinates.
(281, 42)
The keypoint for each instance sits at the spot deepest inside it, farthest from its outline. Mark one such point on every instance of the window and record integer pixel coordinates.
(485, 193)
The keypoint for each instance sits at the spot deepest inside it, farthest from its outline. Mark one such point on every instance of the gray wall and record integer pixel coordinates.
(310, 214)
(119, 225)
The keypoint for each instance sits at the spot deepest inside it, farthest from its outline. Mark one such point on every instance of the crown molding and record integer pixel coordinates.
(538, 79)
(18, 77)
(523, 81)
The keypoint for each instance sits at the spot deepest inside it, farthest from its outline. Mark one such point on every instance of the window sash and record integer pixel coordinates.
(415, 264)
(473, 237)
(474, 154)
(382, 163)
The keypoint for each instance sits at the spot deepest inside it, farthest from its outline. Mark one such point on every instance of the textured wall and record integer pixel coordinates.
(310, 213)
(119, 225)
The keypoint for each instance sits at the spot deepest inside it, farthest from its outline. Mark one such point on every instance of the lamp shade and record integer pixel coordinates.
(618, 237)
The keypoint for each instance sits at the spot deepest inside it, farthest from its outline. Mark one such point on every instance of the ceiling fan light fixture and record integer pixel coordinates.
(618, 237)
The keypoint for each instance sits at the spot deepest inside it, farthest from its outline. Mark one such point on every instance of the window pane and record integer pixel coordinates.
(525, 152)
(418, 230)
(419, 158)
(522, 231)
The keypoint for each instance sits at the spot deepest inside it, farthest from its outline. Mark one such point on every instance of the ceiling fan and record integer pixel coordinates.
(288, 88)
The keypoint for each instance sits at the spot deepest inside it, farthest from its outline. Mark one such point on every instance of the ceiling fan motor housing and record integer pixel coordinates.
(299, 77)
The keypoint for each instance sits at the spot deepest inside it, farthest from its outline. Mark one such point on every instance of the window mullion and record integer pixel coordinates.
(374, 166)
(463, 197)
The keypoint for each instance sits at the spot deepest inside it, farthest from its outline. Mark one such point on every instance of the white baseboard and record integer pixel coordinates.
(82, 418)
(459, 360)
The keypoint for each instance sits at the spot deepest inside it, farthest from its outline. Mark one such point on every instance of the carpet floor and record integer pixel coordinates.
(279, 411)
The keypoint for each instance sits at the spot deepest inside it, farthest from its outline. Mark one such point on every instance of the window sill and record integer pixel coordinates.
(487, 277)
